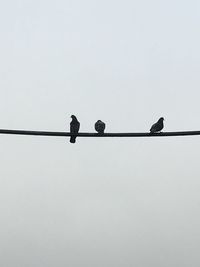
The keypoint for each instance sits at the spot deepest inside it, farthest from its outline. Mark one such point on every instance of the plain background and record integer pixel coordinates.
(103, 202)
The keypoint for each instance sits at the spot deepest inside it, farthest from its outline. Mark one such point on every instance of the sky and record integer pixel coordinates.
(102, 202)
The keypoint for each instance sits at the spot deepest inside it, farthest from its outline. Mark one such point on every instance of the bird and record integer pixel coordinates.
(100, 126)
(158, 126)
(74, 128)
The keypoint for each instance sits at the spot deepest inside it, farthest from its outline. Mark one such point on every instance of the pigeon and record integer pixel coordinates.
(158, 126)
(74, 128)
(100, 126)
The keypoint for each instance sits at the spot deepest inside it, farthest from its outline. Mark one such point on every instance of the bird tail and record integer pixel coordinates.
(73, 139)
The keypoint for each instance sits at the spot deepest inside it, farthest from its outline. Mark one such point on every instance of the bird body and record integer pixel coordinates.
(100, 126)
(74, 128)
(158, 126)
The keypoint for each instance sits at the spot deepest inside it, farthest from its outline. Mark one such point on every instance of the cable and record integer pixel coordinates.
(84, 134)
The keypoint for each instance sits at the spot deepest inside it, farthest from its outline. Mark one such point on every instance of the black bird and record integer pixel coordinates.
(100, 126)
(158, 126)
(74, 128)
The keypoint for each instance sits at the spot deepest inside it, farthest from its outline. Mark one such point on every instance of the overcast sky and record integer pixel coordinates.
(102, 202)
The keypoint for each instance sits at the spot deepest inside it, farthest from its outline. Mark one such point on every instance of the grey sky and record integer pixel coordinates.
(102, 202)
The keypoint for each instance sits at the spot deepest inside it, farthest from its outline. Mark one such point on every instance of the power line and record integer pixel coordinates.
(84, 134)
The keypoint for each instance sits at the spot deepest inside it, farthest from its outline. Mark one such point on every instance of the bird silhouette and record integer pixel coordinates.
(100, 126)
(158, 126)
(74, 128)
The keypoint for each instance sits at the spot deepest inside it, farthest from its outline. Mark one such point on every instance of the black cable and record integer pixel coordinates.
(84, 134)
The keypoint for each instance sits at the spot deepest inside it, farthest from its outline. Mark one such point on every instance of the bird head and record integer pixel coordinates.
(161, 119)
(73, 117)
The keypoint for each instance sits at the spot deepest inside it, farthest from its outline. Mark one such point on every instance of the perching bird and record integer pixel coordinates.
(158, 126)
(100, 126)
(74, 128)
